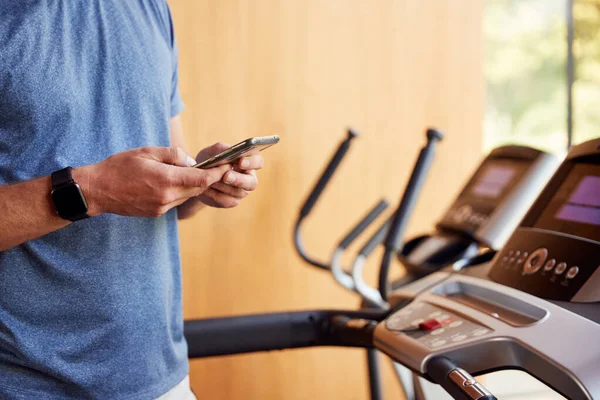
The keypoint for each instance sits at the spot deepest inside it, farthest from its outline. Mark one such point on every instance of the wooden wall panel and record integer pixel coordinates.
(306, 70)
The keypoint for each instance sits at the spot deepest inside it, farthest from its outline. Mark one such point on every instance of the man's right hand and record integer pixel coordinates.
(144, 182)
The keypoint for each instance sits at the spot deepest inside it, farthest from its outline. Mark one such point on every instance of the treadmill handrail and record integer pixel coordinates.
(340, 274)
(406, 206)
(370, 294)
(277, 331)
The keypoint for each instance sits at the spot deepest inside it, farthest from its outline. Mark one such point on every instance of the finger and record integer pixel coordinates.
(222, 199)
(179, 202)
(230, 190)
(169, 155)
(198, 178)
(211, 151)
(246, 181)
(251, 162)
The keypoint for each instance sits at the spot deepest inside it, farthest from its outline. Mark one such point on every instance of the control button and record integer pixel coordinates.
(480, 332)
(443, 317)
(512, 260)
(416, 322)
(504, 259)
(430, 325)
(523, 257)
(455, 324)
(517, 253)
(572, 272)
(438, 331)
(435, 314)
(549, 264)
(560, 268)
(510, 253)
(438, 343)
(459, 338)
(535, 261)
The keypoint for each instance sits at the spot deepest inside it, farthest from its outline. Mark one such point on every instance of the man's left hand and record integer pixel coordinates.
(236, 183)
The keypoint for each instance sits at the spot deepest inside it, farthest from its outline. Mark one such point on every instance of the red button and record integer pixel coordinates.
(430, 325)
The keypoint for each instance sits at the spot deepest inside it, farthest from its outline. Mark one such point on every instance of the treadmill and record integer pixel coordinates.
(535, 307)
(537, 312)
(479, 221)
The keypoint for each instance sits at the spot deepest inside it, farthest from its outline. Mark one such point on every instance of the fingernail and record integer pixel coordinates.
(191, 161)
(230, 178)
(245, 163)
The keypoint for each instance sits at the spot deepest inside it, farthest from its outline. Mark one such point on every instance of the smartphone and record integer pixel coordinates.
(236, 151)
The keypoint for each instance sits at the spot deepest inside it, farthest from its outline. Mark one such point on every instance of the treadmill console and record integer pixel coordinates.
(486, 212)
(553, 254)
(502, 189)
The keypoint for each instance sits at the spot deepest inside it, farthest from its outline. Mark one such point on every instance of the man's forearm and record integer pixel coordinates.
(28, 212)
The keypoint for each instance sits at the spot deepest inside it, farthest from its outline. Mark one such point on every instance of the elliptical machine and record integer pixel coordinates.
(399, 222)
(477, 223)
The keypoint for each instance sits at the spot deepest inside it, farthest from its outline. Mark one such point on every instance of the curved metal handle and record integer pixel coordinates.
(370, 294)
(342, 276)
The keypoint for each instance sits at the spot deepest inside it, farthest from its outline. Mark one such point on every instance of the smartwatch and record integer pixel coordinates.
(69, 201)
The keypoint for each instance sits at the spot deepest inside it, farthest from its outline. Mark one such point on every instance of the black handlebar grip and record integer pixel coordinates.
(434, 135)
(327, 174)
(364, 223)
(456, 381)
(406, 206)
(412, 190)
(272, 331)
(376, 239)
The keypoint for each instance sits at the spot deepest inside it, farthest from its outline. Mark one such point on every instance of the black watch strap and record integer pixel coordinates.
(62, 177)
(79, 217)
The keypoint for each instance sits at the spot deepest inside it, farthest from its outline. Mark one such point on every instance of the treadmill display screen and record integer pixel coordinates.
(584, 204)
(493, 181)
(575, 208)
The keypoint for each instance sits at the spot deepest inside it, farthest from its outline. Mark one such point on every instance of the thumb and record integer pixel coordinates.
(202, 178)
(172, 155)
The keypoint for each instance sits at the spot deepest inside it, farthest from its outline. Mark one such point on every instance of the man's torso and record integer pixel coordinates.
(92, 310)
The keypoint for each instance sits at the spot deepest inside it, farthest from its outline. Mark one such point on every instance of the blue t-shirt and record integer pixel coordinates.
(92, 310)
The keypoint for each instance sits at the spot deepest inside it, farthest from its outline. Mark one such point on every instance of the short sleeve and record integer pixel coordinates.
(176, 100)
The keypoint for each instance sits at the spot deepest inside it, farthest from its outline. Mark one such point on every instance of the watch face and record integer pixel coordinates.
(69, 201)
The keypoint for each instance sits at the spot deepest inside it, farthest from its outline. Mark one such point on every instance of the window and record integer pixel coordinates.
(525, 73)
(586, 86)
(528, 45)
